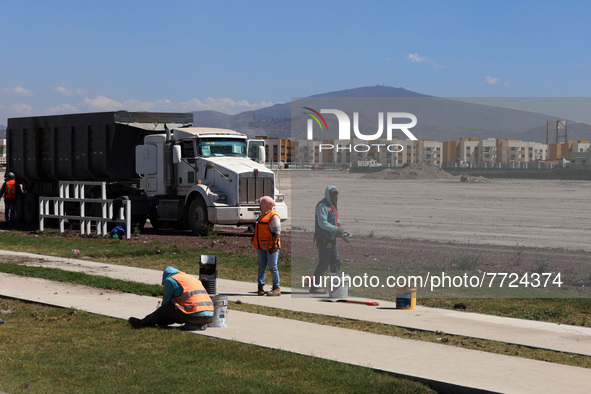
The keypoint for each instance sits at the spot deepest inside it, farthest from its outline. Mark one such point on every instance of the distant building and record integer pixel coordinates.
(487, 151)
(468, 150)
(278, 150)
(430, 152)
(580, 146)
(561, 150)
(396, 153)
(3, 152)
(514, 151)
(581, 158)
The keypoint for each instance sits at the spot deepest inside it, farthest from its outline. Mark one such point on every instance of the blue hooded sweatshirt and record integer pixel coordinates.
(172, 289)
(324, 227)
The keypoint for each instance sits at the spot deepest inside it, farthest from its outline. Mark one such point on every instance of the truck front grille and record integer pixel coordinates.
(252, 188)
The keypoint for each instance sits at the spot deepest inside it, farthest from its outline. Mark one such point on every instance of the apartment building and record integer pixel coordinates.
(429, 152)
(3, 152)
(580, 146)
(468, 150)
(278, 150)
(451, 151)
(396, 153)
(515, 151)
(487, 151)
(564, 149)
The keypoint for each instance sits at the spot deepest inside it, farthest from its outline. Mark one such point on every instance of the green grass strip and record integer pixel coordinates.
(55, 350)
(99, 282)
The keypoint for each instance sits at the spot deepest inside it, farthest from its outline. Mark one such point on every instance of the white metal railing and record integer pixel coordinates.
(54, 208)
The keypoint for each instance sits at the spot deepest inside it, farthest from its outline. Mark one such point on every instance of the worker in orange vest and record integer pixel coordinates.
(185, 300)
(11, 192)
(266, 239)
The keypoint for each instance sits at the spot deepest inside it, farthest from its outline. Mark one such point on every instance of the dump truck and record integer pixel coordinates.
(174, 174)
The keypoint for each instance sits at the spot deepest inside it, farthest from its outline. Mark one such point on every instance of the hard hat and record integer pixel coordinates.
(10, 175)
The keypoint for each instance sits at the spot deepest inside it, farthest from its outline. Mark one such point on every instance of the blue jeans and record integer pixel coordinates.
(266, 258)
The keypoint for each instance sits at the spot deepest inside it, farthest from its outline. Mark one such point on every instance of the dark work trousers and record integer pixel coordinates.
(328, 256)
(168, 314)
(10, 210)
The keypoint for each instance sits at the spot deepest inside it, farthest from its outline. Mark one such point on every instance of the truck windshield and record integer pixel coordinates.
(222, 147)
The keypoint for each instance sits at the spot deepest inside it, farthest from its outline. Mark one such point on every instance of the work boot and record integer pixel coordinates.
(260, 291)
(194, 327)
(135, 322)
(275, 291)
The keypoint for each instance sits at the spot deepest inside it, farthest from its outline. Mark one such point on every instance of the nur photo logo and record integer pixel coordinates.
(389, 124)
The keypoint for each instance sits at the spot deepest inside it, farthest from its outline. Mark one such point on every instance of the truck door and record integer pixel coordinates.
(185, 174)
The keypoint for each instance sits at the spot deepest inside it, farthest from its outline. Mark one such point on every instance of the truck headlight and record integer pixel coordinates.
(279, 197)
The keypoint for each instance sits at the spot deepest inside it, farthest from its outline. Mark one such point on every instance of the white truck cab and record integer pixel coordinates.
(211, 175)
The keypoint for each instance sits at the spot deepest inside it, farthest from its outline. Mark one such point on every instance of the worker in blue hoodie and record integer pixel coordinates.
(185, 300)
(326, 230)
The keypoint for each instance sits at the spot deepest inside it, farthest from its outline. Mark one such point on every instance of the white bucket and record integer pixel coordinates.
(220, 311)
(339, 292)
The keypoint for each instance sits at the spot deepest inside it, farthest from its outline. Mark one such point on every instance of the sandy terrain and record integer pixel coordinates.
(535, 213)
(419, 226)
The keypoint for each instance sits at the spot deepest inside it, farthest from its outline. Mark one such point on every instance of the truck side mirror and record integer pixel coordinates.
(262, 155)
(176, 154)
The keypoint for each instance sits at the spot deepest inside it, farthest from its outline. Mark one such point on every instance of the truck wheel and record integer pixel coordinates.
(30, 208)
(197, 217)
(138, 222)
(154, 221)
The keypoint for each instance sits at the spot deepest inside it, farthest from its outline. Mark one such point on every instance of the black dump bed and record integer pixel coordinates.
(82, 147)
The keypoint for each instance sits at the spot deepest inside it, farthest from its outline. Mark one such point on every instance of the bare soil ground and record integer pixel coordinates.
(422, 219)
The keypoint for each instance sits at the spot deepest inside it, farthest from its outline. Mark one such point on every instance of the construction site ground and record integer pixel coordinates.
(430, 204)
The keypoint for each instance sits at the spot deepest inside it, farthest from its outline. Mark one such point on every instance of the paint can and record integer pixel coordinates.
(406, 297)
(220, 311)
(342, 291)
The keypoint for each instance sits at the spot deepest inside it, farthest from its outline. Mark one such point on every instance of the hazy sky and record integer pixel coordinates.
(231, 56)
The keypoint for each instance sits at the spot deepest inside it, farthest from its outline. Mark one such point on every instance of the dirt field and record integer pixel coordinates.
(532, 213)
(437, 223)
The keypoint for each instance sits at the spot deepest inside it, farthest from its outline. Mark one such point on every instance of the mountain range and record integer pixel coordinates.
(440, 119)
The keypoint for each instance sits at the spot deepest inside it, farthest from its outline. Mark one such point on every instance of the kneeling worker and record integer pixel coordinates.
(185, 300)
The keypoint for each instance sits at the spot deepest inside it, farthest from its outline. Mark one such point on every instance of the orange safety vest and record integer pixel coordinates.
(10, 191)
(263, 238)
(194, 297)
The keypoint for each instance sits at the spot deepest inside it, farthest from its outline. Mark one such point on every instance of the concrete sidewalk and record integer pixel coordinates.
(559, 337)
(449, 367)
